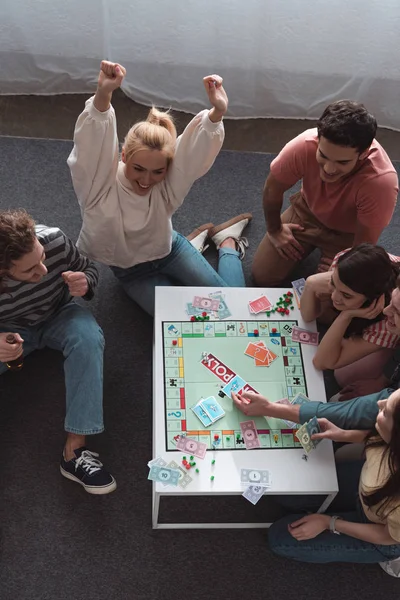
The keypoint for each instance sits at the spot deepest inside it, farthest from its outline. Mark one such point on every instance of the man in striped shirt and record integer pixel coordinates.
(41, 271)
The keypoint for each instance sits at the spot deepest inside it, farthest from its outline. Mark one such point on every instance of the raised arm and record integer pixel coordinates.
(94, 159)
(198, 146)
(316, 294)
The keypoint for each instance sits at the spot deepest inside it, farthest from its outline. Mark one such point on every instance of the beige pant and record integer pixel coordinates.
(270, 269)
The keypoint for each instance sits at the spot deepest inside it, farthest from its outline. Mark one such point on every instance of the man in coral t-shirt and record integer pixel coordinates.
(348, 193)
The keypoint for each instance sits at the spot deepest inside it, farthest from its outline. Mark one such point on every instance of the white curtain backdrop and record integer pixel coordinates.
(278, 59)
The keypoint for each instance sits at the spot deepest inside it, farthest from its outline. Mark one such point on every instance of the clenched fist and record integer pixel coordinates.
(77, 283)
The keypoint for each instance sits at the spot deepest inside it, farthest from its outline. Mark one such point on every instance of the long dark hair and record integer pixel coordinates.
(391, 454)
(367, 270)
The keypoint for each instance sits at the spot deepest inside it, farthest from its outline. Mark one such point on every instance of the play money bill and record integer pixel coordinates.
(191, 446)
(255, 477)
(223, 310)
(304, 438)
(305, 337)
(205, 303)
(184, 477)
(313, 427)
(254, 493)
(157, 461)
(300, 399)
(298, 286)
(250, 435)
(164, 475)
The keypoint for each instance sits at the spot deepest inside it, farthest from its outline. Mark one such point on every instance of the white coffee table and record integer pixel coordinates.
(291, 474)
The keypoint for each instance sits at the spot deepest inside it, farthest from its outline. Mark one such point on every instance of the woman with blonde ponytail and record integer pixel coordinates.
(127, 201)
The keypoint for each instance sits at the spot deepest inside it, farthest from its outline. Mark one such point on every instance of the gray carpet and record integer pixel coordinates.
(58, 542)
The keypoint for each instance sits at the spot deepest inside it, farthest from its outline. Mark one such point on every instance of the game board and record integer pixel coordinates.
(200, 358)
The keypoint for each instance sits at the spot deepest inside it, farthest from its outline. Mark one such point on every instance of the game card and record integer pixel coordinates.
(259, 352)
(254, 493)
(201, 414)
(213, 409)
(259, 305)
(235, 385)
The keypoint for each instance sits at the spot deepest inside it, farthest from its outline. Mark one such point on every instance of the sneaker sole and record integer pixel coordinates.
(199, 230)
(227, 224)
(107, 489)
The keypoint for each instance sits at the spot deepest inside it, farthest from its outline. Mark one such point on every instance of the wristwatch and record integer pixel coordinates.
(332, 524)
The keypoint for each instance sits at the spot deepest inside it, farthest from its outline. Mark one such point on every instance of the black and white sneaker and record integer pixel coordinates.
(89, 471)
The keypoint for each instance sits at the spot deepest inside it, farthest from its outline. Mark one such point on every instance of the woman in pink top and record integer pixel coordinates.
(352, 296)
(127, 201)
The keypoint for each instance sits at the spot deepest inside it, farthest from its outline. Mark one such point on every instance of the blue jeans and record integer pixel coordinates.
(184, 265)
(328, 547)
(75, 332)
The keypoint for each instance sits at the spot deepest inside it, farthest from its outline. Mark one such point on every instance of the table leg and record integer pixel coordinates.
(328, 500)
(156, 507)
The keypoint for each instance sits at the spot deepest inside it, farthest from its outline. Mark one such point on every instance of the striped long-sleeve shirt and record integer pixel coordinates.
(23, 303)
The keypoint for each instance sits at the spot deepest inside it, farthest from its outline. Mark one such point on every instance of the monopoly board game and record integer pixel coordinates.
(202, 358)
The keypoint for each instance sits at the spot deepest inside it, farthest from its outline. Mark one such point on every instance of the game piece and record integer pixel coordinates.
(164, 475)
(184, 458)
(197, 470)
(274, 330)
(187, 466)
(213, 462)
(203, 314)
(260, 477)
(193, 318)
(174, 342)
(212, 477)
(216, 437)
(250, 434)
(305, 337)
(255, 332)
(254, 493)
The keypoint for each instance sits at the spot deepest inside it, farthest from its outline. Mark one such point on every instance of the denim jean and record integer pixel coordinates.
(184, 265)
(328, 547)
(75, 332)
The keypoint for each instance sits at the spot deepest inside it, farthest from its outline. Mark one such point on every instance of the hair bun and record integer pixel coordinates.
(162, 119)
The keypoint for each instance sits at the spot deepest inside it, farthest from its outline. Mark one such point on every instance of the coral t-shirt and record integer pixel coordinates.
(367, 195)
